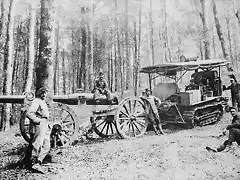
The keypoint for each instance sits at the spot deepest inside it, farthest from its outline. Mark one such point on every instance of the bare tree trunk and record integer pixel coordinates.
(129, 82)
(2, 18)
(118, 75)
(137, 40)
(8, 67)
(56, 64)
(150, 35)
(44, 69)
(219, 31)
(72, 65)
(237, 38)
(229, 39)
(86, 72)
(205, 31)
(63, 71)
(91, 62)
(213, 43)
(83, 54)
(31, 48)
(167, 46)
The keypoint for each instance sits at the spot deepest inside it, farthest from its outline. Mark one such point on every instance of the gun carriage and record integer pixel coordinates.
(77, 114)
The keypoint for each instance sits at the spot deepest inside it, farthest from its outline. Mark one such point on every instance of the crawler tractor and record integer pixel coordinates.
(201, 102)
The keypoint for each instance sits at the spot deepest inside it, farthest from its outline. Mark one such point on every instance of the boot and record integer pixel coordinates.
(221, 148)
(160, 130)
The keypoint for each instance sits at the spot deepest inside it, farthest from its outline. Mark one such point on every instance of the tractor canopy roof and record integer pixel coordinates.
(171, 69)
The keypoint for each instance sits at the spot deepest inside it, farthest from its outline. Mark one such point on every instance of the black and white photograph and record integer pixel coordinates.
(119, 89)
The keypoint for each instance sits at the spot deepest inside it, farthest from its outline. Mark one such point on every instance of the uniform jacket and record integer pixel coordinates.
(38, 114)
(100, 84)
(235, 89)
(235, 122)
(154, 101)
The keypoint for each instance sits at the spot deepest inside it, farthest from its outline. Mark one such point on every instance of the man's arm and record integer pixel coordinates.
(32, 112)
(106, 84)
(96, 84)
(227, 88)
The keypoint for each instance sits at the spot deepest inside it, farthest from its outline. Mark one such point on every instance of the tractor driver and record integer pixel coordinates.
(192, 85)
(152, 111)
(100, 87)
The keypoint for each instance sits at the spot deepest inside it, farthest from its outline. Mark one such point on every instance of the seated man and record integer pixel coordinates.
(234, 132)
(100, 87)
(192, 85)
(152, 111)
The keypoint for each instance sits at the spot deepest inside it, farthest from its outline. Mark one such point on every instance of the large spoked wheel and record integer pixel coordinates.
(24, 126)
(63, 122)
(105, 126)
(131, 118)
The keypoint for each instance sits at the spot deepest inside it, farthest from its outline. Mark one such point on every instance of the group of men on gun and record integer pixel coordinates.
(40, 128)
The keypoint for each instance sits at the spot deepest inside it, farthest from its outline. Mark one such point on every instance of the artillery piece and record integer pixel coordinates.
(74, 115)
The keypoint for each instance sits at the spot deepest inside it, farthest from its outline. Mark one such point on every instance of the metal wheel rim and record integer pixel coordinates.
(131, 118)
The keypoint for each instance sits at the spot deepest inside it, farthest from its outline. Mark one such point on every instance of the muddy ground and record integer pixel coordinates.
(177, 155)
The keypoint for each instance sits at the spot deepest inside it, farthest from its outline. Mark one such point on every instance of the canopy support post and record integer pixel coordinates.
(150, 81)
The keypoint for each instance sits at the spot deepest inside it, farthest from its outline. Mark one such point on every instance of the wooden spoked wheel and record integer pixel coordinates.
(24, 126)
(131, 118)
(63, 122)
(105, 126)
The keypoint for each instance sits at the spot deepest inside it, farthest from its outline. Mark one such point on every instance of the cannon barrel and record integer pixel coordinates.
(19, 99)
(74, 99)
(71, 99)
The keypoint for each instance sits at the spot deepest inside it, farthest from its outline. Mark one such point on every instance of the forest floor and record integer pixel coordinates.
(177, 155)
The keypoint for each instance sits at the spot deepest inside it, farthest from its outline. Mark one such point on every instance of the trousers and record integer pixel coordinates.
(105, 92)
(40, 140)
(236, 102)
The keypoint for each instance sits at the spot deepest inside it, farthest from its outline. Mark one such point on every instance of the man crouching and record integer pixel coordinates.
(234, 132)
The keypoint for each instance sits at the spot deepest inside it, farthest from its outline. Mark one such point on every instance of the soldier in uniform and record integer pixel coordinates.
(234, 132)
(234, 87)
(152, 111)
(40, 128)
(100, 87)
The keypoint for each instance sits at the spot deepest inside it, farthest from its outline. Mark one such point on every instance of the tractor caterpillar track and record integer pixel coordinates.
(204, 115)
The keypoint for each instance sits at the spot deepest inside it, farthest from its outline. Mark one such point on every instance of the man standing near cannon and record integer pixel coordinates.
(152, 111)
(100, 87)
(40, 129)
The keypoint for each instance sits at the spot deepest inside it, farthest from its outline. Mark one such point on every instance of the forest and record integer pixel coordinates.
(64, 44)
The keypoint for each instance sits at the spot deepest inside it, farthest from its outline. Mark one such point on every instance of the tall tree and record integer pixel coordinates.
(219, 31)
(206, 35)
(150, 35)
(31, 58)
(8, 67)
(56, 63)
(44, 69)
(129, 68)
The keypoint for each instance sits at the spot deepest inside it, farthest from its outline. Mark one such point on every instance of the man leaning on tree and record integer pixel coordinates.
(40, 128)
